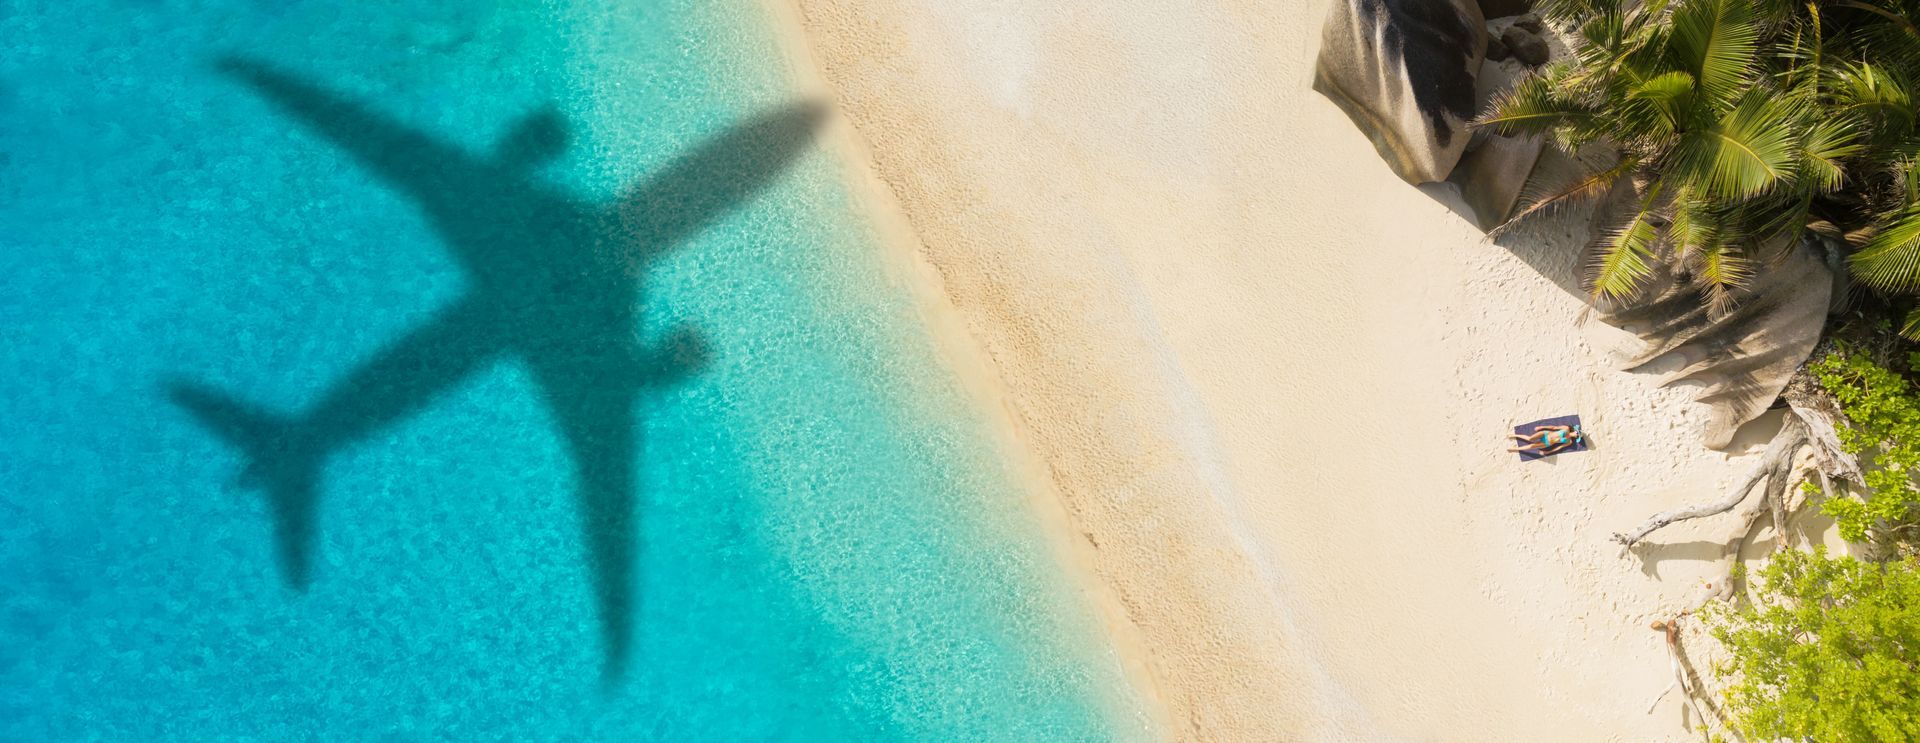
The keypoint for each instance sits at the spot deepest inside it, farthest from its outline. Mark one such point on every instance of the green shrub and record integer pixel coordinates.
(1883, 413)
(1828, 651)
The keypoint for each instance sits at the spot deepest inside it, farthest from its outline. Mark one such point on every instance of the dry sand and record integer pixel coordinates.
(1268, 380)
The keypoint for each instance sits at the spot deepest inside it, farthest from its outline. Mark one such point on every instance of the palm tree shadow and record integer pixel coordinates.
(554, 282)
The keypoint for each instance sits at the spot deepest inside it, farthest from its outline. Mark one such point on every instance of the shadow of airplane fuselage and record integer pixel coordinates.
(554, 281)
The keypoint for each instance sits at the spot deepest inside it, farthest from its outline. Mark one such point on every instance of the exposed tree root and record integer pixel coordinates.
(1811, 426)
(1721, 586)
(1774, 468)
(1813, 423)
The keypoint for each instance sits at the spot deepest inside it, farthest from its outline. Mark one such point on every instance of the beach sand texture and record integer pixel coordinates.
(1269, 381)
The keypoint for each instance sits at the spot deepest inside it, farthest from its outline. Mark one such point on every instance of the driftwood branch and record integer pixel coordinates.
(1664, 518)
(1774, 467)
(1685, 678)
(1662, 695)
(1672, 630)
(1777, 490)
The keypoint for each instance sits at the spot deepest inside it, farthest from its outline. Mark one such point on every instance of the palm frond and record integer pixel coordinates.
(1590, 186)
(1907, 176)
(1911, 326)
(1888, 37)
(1600, 42)
(1804, 53)
(1875, 93)
(1716, 41)
(1900, 22)
(1531, 107)
(1721, 272)
(1665, 99)
(1746, 153)
(1692, 228)
(1646, 12)
(1569, 10)
(1890, 259)
(1643, 54)
(1575, 135)
(1824, 151)
(1775, 12)
(1777, 219)
(1625, 257)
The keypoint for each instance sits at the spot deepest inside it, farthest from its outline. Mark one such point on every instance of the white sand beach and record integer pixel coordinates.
(1268, 381)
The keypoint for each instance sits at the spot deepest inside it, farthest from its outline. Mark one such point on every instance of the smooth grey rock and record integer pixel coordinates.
(1504, 8)
(1495, 169)
(1403, 71)
(1492, 176)
(1526, 47)
(1496, 51)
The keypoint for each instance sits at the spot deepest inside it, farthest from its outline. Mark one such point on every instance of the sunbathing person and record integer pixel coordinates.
(1548, 439)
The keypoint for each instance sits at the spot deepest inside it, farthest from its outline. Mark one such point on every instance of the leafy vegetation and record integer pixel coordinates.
(1827, 652)
(1829, 647)
(1883, 414)
(1739, 124)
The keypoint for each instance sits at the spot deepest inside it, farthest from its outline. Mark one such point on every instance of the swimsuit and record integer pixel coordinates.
(1557, 438)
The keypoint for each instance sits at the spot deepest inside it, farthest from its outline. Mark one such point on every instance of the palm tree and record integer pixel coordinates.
(1737, 124)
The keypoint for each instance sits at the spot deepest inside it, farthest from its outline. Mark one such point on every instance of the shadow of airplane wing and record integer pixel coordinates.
(394, 151)
(706, 184)
(591, 374)
(595, 410)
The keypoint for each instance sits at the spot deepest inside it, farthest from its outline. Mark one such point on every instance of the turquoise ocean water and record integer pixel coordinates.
(826, 544)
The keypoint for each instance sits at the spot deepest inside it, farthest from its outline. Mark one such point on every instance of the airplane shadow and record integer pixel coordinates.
(555, 282)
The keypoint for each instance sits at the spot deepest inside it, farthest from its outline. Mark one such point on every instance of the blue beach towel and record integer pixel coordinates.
(1565, 420)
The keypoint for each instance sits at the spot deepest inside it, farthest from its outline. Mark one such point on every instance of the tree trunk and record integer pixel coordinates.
(1822, 417)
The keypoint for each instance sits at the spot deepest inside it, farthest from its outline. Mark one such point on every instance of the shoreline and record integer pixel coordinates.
(976, 373)
(1135, 622)
(1262, 382)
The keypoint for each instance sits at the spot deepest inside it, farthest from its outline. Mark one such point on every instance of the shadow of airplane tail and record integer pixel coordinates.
(276, 461)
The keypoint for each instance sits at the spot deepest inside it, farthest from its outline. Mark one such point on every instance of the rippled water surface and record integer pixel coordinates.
(482, 371)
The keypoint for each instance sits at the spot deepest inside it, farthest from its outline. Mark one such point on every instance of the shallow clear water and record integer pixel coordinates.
(826, 544)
